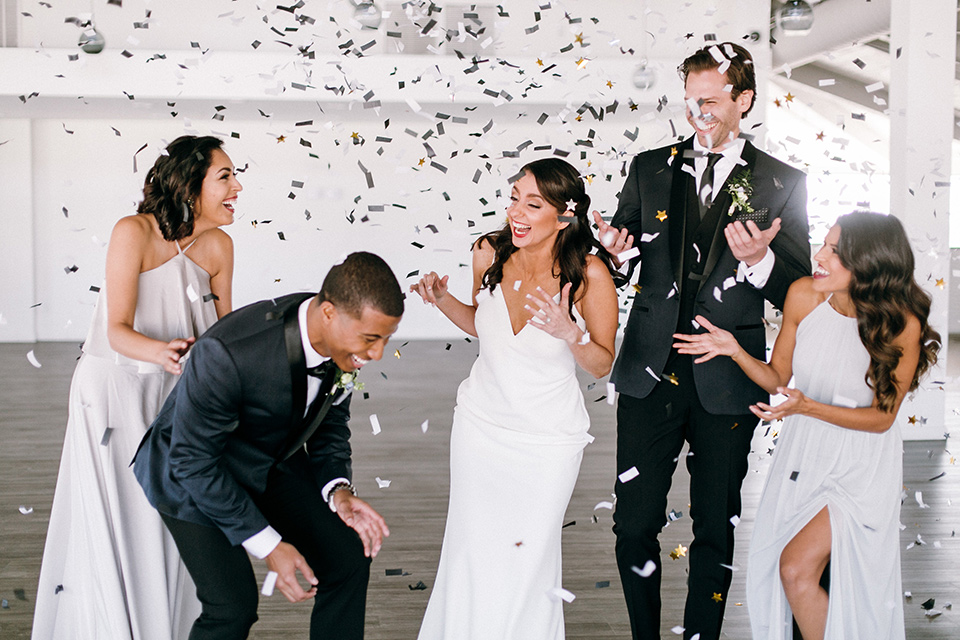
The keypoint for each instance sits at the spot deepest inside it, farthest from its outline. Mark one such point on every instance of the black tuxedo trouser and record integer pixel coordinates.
(224, 577)
(650, 434)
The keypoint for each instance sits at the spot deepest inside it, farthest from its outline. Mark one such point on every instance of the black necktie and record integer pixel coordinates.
(706, 183)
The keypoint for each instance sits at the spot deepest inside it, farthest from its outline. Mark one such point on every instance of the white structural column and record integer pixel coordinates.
(17, 284)
(922, 55)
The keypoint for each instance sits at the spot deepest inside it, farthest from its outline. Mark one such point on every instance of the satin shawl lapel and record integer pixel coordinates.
(315, 419)
(298, 365)
(678, 209)
(723, 201)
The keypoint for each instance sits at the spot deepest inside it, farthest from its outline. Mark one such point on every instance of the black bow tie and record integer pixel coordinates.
(321, 370)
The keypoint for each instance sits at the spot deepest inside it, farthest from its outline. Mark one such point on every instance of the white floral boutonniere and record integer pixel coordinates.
(347, 381)
(740, 191)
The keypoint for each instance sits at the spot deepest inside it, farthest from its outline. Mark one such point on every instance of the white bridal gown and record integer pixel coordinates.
(855, 474)
(519, 430)
(110, 569)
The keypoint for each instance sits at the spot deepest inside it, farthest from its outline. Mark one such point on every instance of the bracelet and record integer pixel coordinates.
(337, 487)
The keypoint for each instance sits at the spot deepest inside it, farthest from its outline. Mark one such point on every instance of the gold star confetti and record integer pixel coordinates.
(579, 118)
(912, 419)
(355, 135)
(421, 161)
(518, 544)
(581, 63)
(777, 103)
(735, 425)
(609, 84)
(281, 139)
(578, 38)
(789, 97)
(820, 136)
(539, 62)
(633, 105)
(589, 178)
(672, 377)
(673, 151)
(397, 353)
(638, 288)
(940, 283)
(717, 597)
(953, 460)
(661, 215)
(680, 551)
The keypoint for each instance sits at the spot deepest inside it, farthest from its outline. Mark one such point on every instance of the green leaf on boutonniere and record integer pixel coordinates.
(740, 190)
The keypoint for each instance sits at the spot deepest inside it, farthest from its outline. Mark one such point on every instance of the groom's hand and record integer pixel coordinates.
(360, 516)
(285, 560)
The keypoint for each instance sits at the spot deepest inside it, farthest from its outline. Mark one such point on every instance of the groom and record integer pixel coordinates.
(251, 453)
(702, 252)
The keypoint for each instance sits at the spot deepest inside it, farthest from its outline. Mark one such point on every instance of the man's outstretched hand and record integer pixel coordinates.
(285, 560)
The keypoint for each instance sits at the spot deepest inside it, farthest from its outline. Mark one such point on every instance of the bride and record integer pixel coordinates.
(541, 304)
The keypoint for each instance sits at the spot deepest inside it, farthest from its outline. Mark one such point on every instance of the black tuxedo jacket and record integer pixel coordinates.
(236, 411)
(653, 202)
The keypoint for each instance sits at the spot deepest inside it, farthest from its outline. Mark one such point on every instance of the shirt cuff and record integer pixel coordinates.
(325, 492)
(263, 543)
(758, 274)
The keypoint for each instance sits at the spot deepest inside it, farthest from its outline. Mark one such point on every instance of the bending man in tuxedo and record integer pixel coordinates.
(697, 257)
(253, 445)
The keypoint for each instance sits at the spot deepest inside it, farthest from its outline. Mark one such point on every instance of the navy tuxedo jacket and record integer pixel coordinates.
(653, 201)
(236, 412)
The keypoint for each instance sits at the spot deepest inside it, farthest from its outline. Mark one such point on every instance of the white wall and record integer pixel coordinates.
(73, 145)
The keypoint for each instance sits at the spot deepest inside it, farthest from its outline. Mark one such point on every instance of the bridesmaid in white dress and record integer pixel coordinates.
(541, 305)
(110, 569)
(856, 337)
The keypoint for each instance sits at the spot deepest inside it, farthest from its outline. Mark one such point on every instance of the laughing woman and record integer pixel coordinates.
(856, 337)
(541, 304)
(110, 569)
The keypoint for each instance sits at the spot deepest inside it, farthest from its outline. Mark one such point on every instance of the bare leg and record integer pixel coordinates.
(801, 565)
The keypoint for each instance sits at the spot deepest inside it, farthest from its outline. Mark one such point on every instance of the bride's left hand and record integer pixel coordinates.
(553, 317)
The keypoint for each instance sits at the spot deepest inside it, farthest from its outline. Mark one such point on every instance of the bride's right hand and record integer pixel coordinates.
(431, 288)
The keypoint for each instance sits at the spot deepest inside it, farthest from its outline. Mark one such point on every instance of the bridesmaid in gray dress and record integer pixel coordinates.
(110, 569)
(856, 337)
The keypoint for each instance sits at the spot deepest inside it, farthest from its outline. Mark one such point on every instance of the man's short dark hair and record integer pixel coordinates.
(739, 73)
(363, 279)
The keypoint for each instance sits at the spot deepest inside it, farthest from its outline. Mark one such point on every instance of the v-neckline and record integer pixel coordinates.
(506, 308)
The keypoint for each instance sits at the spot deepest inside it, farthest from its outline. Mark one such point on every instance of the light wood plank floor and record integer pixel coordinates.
(421, 385)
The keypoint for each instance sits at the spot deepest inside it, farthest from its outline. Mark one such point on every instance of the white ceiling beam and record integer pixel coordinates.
(836, 24)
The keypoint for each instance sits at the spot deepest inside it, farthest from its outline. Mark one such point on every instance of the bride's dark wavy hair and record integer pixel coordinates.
(875, 249)
(559, 182)
(174, 182)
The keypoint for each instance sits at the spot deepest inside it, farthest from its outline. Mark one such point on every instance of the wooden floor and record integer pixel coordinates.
(421, 386)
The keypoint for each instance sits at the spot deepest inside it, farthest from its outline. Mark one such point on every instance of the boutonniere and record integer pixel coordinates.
(740, 191)
(347, 381)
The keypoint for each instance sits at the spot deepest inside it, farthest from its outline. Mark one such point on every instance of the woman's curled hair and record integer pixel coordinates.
(174, 183)
(559, 183)
(875, 249)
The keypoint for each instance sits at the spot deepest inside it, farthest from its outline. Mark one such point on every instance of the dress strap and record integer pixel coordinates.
(183, 250)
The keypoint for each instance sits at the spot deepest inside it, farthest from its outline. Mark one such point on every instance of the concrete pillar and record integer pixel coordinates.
(922, 54)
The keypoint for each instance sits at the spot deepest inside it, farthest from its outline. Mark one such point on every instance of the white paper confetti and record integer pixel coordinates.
(25, 510)
(603, 504)
(647, 570)
(560, 593)
(629, 475)
(269, 583)
(382, 484)
(735, 520)
(624, 256)
(192, 293)
(33, 359)
(611, 393)
(424, 425)
(919, 498)
(375, 423)
(647, 237)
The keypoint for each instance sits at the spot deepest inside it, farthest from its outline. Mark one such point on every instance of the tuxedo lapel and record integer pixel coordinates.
(298, 365)
(721, 204)
(318, 410)
(678, 209)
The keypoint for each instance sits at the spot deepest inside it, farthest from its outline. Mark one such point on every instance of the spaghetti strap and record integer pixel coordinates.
(184, 250)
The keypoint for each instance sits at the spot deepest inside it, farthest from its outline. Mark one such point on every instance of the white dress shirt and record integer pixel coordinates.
(262, 543)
